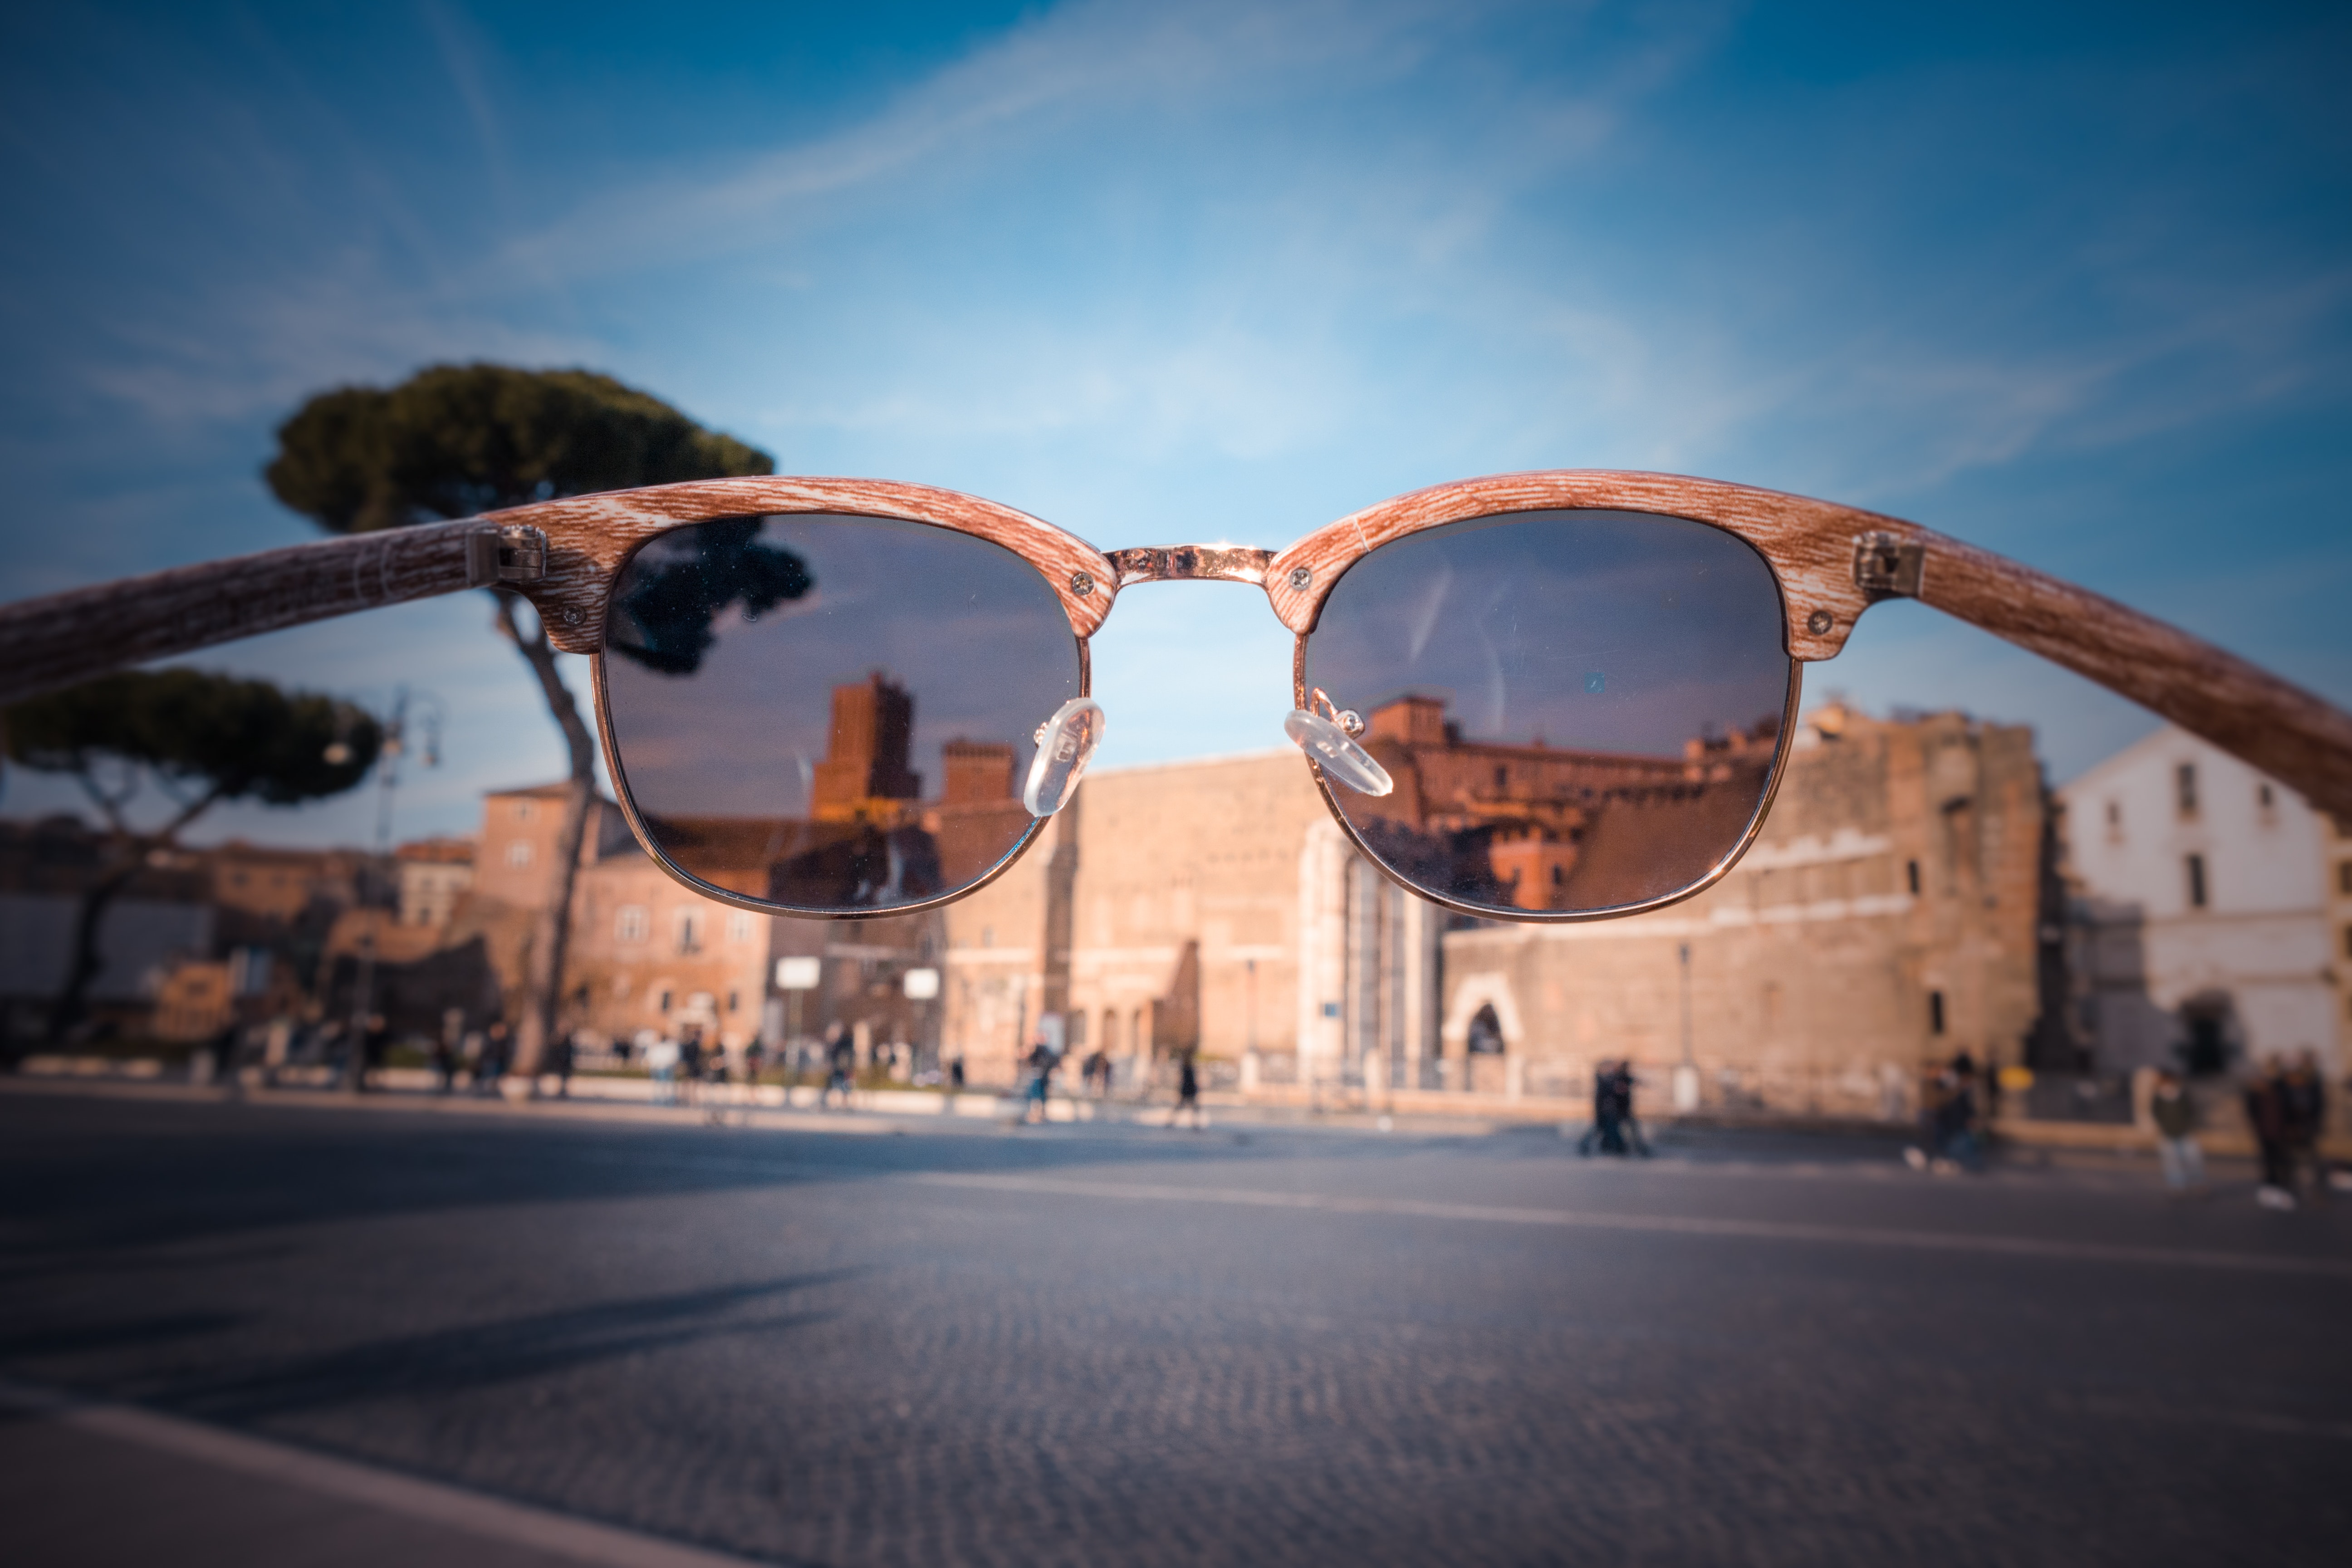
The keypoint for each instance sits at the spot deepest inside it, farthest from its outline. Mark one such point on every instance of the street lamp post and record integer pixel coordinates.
(1686, 1074)
(387, 778)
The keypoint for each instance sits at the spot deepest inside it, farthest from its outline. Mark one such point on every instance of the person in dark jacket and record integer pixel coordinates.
(2306, 1118)
(2175, 1115)
(1607, 1131)
(1621, 1088)
(2269, 1115)
(1188, 1092)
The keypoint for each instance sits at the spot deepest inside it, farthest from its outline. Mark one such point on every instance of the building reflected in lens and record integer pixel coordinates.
(1535, 826)
(872, 838)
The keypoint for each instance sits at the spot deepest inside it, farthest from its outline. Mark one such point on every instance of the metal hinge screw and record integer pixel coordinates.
(1820, 622)
(1082, 584)
(1300, 579)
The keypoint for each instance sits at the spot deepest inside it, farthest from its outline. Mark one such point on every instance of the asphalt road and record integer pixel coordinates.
(1089, 1345)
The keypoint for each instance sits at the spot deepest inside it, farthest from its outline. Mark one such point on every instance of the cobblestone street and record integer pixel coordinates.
(862, 1344)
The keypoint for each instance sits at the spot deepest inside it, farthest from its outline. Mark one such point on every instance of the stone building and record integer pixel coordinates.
(1166, 909)
(2212, 911)
(1890, 914)
(431, 874)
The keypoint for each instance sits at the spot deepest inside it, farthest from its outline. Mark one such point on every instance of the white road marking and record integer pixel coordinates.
(1664, 1224)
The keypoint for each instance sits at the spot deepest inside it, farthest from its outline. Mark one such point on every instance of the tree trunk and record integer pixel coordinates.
(543, 1007)
(72, 1001)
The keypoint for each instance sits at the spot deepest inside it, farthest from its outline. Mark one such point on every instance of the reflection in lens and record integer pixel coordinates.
(1581, 709)
(831, 713)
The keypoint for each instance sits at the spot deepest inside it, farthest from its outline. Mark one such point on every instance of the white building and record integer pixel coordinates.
(2203, 930)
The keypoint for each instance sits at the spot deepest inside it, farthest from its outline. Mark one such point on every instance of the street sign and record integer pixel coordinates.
(798, 973)
(923, 985)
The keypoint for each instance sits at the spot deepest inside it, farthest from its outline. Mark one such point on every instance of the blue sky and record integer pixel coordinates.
(2074, 283)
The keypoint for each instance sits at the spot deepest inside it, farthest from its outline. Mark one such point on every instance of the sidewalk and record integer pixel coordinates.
(1419, 1112)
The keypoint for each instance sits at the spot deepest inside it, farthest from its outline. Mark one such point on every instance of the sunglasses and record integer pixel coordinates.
(1547, 697)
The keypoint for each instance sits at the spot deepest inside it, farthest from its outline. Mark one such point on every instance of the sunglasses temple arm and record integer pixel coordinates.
(56, 641)
(2268, 724)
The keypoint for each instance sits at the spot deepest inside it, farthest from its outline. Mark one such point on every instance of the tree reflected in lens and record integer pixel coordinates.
(798, 715)
(1581, 709)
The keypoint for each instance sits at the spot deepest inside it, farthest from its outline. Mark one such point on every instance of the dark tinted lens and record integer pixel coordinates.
(1581, 709)
(832, 713)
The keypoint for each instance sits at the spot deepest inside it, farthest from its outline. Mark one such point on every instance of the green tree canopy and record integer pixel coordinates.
(208, 736)
(455, 440)
(203, 739)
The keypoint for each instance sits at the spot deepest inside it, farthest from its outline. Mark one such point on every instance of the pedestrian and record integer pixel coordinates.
(2306, 1118)
(368, 1049)
(690, 1061)
(1188, 1093)
(2269, 1114)
(1623, 1081)
(661, 1061)
(1041, 1063)
(559, 1062)
(444, 1063)
(1605, 1131)
(715, 1076)
(498, 1051)
(841, 1061)
(955, 1073)
(2175, 1115)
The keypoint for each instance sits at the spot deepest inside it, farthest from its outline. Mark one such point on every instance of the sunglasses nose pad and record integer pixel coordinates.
(1065, 743)
(1339, 755)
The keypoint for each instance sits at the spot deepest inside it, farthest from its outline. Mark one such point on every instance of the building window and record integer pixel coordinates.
(2347, 942)
(630, 925)
(738, 925)
(734, 1001)
(2184, 788)
(2196, 866)
(1911, 875)
(690, 930)
(1502, 778)
(1934, 1012)
(524, 811)
(2263, 797)
(518, 852)
(662, 1001)
(2343, 879)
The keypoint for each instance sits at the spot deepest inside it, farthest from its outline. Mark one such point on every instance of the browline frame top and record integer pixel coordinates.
(1810, 545)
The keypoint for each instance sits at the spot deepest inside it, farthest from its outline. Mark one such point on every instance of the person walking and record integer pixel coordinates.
(1041, 1064)
(661, 1061)
(2271, 1119)
(2175, 1115)
(841, 1058)
(444, 1063)
(1605, 1131)
(1188, 1093)
(498, 1044)
(2305, 1091)
(368, 1050)
(1622, 1082)
(559, 1062)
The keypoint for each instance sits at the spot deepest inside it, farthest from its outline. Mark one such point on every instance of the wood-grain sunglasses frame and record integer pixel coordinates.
(1830, 562)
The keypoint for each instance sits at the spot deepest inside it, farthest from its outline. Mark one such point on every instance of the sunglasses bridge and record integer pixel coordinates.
(1191, 562)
